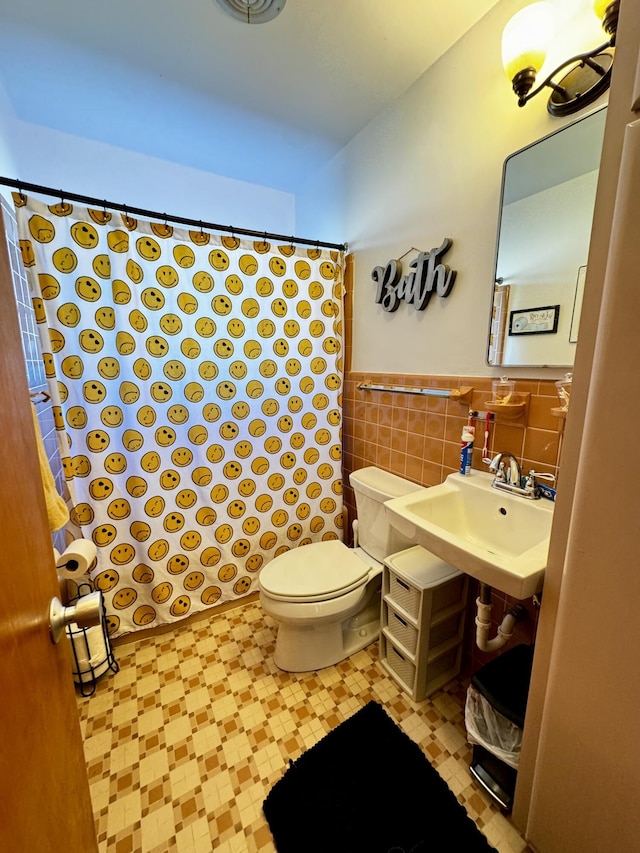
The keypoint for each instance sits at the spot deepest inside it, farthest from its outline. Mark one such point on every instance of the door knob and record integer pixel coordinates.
(86, 611)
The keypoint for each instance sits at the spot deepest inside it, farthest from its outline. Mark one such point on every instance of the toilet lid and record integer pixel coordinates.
(314, 572)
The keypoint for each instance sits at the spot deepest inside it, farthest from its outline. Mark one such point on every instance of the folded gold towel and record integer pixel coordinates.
(56, 508)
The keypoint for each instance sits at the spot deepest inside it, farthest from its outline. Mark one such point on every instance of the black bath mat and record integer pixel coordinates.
(366, 787)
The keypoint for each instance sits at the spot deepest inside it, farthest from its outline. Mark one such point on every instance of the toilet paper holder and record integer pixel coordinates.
(85, 613)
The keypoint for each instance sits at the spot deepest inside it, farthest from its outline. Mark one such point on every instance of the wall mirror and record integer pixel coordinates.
(544, 229)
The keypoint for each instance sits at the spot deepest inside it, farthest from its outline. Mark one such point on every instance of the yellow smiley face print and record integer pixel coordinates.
(152, 298)
(157, 346)
(167, 276)
(278, 267)
(104, 535)
(100, 488)
(197, 434)
(119, 508)
(169, 479)
(206, 516)
(264, 287)
(290, 288)
(146, 416)
(129, 393)
(200, 238)
(193, 580)
(187, 303)
(125, 343)
(161, 392)
(82, 514)
(250, 308)
(102, 266)
(178, 564)
(180, 606)
(211, 412)
(190, 348)
(73, 367)
(143, 615)
(174, 370)
(148, 248)
(41, 229)
(136, 486)
(203, 282)
(162, 592)
(134, 271)
(26, 252)
(88, 289)
(115, 463)
(190, 540)
(106, 318)
(138, 321)
(219, 260)
(186, 498)
(107, 580)
(85, 235)
(210, 556)
(77, 419)
(90, 340)
(205, 327)
(97, 441)
(184, 256)
(171, 324)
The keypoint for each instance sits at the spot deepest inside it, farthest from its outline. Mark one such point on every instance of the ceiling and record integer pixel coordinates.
(182, 81)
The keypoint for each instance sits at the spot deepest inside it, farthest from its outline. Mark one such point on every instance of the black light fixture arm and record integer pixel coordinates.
(527, 75)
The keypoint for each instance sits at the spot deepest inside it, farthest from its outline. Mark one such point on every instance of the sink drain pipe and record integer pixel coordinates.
(483, 622)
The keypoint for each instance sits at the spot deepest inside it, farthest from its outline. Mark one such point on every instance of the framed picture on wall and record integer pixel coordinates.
(534, 321)
(577, 305)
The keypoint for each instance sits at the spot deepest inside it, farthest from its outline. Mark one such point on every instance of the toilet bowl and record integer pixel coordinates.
(325, 596)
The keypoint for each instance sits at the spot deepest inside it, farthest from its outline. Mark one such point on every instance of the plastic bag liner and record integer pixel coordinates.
(491, 729)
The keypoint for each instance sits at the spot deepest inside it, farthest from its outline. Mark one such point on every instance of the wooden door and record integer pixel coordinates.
(44, 793)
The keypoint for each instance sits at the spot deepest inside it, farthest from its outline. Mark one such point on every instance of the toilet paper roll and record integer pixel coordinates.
(76, 559)
(91, 654)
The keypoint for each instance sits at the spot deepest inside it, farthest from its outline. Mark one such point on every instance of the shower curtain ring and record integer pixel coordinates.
(201, 226)
(21, 195)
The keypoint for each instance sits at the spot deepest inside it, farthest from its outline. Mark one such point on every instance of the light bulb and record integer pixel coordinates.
(526, 37)
(600, 7)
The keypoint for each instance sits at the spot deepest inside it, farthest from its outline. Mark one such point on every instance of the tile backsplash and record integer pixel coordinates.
(418, 437)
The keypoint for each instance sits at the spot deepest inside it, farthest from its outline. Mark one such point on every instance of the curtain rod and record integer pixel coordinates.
(163, 217)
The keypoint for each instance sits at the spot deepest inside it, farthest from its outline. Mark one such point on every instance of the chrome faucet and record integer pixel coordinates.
(497, 467)
(508, 480)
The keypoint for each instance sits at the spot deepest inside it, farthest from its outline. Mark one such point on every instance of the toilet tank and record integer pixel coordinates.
(372, 487)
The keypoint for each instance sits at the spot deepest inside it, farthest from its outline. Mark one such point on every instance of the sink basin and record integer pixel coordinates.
(497, 538)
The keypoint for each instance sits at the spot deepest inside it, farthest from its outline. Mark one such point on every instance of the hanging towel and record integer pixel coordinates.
(56, 508)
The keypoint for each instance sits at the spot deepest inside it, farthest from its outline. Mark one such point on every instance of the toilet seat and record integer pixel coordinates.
(316, 572)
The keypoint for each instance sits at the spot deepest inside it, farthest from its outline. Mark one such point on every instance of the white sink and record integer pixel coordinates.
(498, 538)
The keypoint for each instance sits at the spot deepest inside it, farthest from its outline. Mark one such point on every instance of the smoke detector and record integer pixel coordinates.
(252, 11)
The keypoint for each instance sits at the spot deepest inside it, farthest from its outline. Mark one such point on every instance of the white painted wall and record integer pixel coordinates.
(427, 168)
(55, 159)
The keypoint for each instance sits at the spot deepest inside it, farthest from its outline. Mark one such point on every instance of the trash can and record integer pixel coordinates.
(494, 717)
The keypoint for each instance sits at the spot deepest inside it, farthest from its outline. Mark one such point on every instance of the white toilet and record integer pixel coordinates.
(325, 596)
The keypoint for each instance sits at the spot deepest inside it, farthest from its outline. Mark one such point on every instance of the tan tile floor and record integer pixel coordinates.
(183, 744)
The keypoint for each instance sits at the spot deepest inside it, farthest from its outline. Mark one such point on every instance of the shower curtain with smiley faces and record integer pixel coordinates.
(196, 382)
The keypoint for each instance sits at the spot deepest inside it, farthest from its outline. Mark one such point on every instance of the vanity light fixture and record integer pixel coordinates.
(524, 48)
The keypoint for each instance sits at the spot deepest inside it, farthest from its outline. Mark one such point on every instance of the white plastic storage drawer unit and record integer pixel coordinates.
(424, 603)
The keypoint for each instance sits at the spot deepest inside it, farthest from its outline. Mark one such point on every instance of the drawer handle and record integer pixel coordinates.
(400, 620)
(399, 655)
(403, 584)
